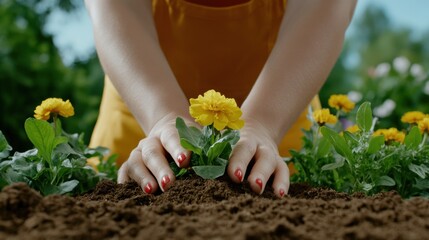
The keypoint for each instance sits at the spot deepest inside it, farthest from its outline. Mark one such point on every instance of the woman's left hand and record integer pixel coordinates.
(256, 144)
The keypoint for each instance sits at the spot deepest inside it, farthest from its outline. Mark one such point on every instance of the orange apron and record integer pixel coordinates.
(208, 47)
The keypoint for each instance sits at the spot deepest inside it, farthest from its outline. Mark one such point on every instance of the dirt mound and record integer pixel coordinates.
(209, 209)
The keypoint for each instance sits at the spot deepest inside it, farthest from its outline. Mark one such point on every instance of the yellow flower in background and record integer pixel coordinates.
(341, 102)
(53, 105)
(391, 134)
(412, 117)
(424, 125)
(353, 129)
(214, 108)
(323, 116)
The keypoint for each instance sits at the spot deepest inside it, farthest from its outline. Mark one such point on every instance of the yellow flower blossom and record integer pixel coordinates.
(423, 125)
(412, 117)
(53, 105)
(322, 116)
(391, 134)
(341, 102)
(214, 108)
(353, 129)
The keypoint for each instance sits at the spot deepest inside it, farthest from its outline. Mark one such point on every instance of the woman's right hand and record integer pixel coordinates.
(148, 163)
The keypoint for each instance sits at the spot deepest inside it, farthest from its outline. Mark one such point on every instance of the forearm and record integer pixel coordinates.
(129, 51)
(309, 42)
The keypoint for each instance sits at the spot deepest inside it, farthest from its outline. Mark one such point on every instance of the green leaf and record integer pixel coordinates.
(332, 166)
(338, 142)
(24, 167)
(323, 148)
(68, 186)
(413, 139)
(350, 137)
(221, 161)
(375, 144)
(216, 150)
(5, 148)
(386, 181)
(367, 187)
(209, 172)
(42, 135)
(190, 137)
(420, 170)
(422, 184)
(364, 117)
(58, 128)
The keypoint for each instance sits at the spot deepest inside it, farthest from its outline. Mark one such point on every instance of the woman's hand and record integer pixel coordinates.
(148, 162)
(256, 144)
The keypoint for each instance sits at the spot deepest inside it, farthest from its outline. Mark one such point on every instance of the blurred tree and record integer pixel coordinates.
(31, 70)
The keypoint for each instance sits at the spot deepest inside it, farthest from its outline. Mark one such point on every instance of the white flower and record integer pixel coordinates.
(426, 88)
(401, 64)
(354, 96)
(385, 109)
(382, 70)
(418, 72)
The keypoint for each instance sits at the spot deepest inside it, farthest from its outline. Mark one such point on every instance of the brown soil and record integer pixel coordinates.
(214, 209)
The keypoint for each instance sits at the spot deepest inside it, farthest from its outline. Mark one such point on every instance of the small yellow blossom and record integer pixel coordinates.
(391, 134)
(353, 129)
(412, 117)
(214, 108)
(53, 105)
(341, 102)
(322, 116)
(424, 125)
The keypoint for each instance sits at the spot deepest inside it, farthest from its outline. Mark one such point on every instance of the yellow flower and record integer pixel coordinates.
(391, 134)
(322, 116)
(353, 129)
(424, 125)
(342, 102)
(412, 117)
(53, 105)
(214, 108)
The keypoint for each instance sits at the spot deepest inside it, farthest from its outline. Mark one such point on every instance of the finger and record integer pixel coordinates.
(171, 142)
(241, 155)
(265, 164)
(153, 156)
(122, 174)
(281, 181)
(135, 169)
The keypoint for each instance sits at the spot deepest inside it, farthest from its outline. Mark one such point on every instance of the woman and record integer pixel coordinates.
(271, 56)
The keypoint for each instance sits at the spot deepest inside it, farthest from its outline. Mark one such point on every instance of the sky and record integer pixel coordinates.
(73, 32)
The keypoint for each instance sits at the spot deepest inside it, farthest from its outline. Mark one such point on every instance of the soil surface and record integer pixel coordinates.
(209, 209)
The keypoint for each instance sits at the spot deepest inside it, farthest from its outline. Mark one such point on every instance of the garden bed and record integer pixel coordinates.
(211, 209)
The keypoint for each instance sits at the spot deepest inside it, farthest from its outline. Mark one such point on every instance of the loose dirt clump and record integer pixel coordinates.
(209, 209)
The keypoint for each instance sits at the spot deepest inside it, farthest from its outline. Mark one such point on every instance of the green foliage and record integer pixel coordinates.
(362, 161)
(32, 69)
(394, 88)
(210, 149)
(58, 164)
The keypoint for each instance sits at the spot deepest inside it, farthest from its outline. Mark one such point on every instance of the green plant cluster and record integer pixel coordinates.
(361, 161)
(210, 149)
(395, 87)
(57, 164)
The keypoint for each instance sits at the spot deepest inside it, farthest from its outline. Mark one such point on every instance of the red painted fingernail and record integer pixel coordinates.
(239, 174)
(165, 181)
(181, 158)
(148, 188)
(281, 192)
(259, 182)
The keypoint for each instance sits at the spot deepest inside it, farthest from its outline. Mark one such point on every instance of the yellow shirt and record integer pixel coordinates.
(221, 45)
